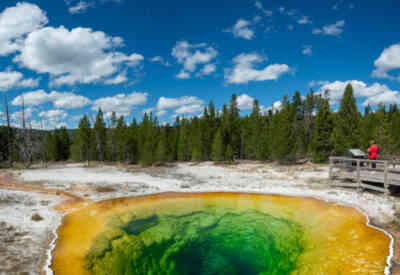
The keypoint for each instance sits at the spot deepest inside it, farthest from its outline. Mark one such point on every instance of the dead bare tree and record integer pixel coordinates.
(7, 145)
(25, 139)
(9, 133)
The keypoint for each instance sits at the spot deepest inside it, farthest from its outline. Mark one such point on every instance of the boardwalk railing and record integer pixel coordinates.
(376, 175)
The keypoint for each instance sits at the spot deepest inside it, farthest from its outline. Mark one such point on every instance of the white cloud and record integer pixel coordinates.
(31, 98)
(165, 103)
(12, 79)
(260, 7)
(189, 109)
(192, 55)
(183, 75)
(334, 29)
(182, 105)
(244, 71)
(80, 7)
(304, 20)
(245, 102)
(160, 60)
(387, 96)
(290, 27)
(64, 100)
(120, 78)
(121, 104)
(307, 50)
(373, 94)
(242, 30)
(53, 114)
(68, 100)
(16, 22)
(77, 56)
(275, 107)
(388, 60)
(282, 9)
(208, 69)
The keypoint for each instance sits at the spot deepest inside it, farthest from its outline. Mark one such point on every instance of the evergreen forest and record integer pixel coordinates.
(304, 128)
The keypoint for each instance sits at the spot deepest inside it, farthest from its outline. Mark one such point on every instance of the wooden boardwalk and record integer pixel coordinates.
(359, 173)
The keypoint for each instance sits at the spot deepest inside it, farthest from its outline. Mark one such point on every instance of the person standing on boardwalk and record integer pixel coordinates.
(373, 152)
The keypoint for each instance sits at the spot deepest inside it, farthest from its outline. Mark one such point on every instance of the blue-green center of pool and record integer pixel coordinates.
(200, 243)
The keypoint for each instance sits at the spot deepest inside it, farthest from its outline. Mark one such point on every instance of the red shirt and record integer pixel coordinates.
(373, 152)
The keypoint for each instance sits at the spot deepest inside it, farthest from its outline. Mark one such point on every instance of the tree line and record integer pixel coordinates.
(304, 128)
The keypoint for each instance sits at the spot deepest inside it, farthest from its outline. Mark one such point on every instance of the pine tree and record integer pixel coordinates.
(254, 132)
(64, 143)
(395, 128)
(246, 138)
(263, 143)
(83, 141)
(147, 155)
(45, 148)
(383, 132)
(206, 130)
(229, 156)
(172, 141)
(218, 152)
(112, 138)
(120, 140)
(234, 135)
(284, 136)
(368, 126)
(321, 143)
(309, 106)
(132, 140)
(346, 134)
(301, 146)
(100, 137)
(147, 140)
(162, 148)
(183, 142)
(196, 138)
(54, 146)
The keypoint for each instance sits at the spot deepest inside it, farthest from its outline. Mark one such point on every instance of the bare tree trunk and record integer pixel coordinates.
(25, 142)
(9, 143)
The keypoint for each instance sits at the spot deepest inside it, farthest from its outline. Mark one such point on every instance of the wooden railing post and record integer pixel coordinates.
(358, 175)
(386, 178)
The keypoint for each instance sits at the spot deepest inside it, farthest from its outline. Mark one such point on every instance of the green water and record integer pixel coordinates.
(200, 243)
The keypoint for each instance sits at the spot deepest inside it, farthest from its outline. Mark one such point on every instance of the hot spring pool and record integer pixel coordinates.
(218, 233)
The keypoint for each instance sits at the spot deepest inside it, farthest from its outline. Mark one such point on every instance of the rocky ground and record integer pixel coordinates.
(26, 223)
(23, 240)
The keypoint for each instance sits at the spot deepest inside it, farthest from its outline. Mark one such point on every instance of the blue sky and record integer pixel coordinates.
(70, 57)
